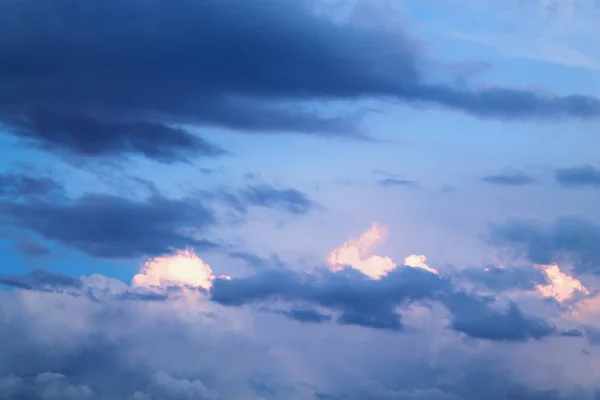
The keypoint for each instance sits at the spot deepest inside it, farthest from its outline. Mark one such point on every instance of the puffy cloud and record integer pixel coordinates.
(562, 287)
(96, 342)
(419, 261)
(45, 386)
(356, 253)
(184, 268)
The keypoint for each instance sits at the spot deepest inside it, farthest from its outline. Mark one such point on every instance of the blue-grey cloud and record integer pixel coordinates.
(504, 279)
(70, 84)
(88, 136)
(302, 314)
(393, 182)
(509, 179)
(573, 239)
(577, 177)
(19, 186)
(41, 281)
(476, 317)
(114, 227)
(287, 200)
(31, 248)
(372, 303)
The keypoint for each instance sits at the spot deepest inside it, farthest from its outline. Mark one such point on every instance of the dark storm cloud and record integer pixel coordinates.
(509, 179)
(114, 227)
(578, 177)
(21, 186)
(372, 303)
(68, 81)
(572, 239)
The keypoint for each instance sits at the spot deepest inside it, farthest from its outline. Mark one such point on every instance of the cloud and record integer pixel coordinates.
(570, 239)
(373, 303)
(509, 179)
(167, 387)
(88, 136)
(109, 226)
(249, 66)
(289, 200)
(562, 287)
(41, 281)
(578, 177)
(31, 248)
(502, 279)
(20, 186)
(183, 268)
(283, 199)
(479, 318)
(45, 386)
(391, 182)
(356, 253)
(97, 343)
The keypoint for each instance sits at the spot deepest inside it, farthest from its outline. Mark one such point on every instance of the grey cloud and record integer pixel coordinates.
(476, 317)
(70, 84)
(256, 261)
(114, 227)
(569, 238)
(132, 351)
(392, 182)
(21, 186)
(503, 279)
(578, 177)
(31, 248)
(97, 287)
(509, 179)
(45, 386)
(94, 137)
(41, 281)
(287, 200)
(373, 303)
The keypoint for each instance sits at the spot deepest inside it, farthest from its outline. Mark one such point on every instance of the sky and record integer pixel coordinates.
(303, 200)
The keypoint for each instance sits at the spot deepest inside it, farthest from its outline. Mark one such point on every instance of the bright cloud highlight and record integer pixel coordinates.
(356, 253)
(562, 286)
(184, 268)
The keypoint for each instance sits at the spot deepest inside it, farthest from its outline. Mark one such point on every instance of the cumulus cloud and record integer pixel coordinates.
(356, 253)
(183, 268)
(562, 287)
(99, 338)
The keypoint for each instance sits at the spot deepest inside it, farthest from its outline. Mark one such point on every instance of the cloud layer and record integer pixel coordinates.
(72, 86)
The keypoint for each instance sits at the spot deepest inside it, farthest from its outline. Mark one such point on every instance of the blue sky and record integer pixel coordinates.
(176, 178)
